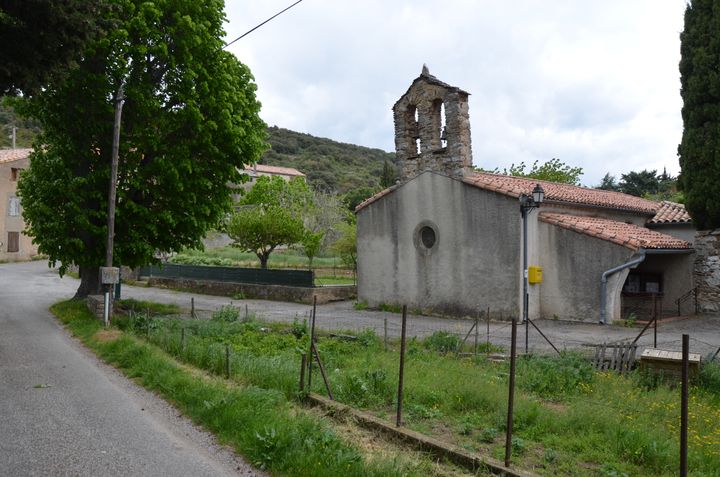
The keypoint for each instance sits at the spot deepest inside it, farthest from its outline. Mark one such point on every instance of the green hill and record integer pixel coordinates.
(329, 165)
(24, 134)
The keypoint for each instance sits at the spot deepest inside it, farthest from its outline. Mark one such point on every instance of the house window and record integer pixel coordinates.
(642, 283)
(14, 206)
(14, 173)
(13, 244)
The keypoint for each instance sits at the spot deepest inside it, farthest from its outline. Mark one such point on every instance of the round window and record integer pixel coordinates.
(427, 236)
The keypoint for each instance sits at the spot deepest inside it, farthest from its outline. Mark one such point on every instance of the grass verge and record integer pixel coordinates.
(260, 424)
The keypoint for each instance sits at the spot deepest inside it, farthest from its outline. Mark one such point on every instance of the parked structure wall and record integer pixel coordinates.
(16, 246)
(573, 265)
(473, 264)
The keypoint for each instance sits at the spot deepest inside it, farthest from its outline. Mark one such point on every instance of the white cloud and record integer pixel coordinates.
(595, 84)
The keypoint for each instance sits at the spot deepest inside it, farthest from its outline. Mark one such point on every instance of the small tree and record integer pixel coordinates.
(608, 182)
(270, 215)
(262, 228)
(389, 174)
(553, 171)
(346, 245)
(311, 243)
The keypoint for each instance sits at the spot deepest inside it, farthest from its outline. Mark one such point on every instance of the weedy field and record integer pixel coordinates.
(568, 419)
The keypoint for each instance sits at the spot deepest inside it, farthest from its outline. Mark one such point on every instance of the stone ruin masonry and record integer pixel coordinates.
(418, 122)
(707, 270)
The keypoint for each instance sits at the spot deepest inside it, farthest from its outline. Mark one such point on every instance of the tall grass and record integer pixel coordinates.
(568, 419)
(260, 423)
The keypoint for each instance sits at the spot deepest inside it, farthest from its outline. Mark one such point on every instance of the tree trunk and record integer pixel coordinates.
(263, 260)
(89, 282)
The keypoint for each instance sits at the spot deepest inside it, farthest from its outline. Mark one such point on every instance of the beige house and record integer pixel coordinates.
(450, 240)
(14, 244)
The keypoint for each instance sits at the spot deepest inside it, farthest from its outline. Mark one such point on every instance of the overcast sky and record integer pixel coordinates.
(593, 83)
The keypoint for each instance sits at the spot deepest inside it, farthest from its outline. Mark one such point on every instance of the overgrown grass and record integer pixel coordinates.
(259, 422)
(568, 420)
(143, 306)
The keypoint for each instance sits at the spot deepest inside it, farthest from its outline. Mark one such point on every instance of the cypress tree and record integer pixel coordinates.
(699, 150)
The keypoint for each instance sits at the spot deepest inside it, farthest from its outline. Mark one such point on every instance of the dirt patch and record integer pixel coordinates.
(105, 336)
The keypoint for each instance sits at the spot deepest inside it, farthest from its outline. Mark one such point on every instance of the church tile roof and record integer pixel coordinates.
(630, 236)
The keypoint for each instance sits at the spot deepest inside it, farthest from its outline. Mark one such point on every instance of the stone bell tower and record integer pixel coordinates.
(432, 129)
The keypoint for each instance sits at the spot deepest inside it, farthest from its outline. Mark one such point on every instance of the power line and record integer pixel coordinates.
(261, 24)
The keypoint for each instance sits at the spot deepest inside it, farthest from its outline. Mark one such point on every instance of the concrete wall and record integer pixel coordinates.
(682, 231)
(573, 264)
(475, 262)
(8, 223)
(260, 292)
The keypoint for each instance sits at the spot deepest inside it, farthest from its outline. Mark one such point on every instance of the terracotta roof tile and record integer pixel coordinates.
(375, 197)
(10, 155)
(514, 186)
(628, 235)
(286, 171)
(671, 213)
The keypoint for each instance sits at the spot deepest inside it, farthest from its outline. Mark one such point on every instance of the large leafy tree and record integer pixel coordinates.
(190, 120)
(42, 39)
(699, 150)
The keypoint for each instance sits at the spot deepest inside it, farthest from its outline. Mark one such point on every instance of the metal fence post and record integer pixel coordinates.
(511, 394)
(655, 319)
(684, 405)
(385, 336)
(312, 340)
(401, 374)
(182, 340)
(192, 307)
(303, 365)
(227, 361)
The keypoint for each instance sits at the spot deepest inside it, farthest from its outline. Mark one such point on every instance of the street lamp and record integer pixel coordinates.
(527, 203)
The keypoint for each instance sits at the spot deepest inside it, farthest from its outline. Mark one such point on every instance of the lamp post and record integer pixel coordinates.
(527, 203)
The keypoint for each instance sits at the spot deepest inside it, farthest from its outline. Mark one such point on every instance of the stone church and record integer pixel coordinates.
(449, 240)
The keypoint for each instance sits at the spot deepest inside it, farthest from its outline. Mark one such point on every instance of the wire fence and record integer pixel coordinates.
(492, 337)
(534, 337)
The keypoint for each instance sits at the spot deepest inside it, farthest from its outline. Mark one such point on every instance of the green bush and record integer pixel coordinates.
(226, 313)
(554, 376)
(442, 342)
(710, 377)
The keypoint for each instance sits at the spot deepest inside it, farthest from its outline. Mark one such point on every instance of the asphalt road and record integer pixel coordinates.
(62, 412)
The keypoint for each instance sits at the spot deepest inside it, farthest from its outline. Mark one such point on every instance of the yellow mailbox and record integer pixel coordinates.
(534, 274)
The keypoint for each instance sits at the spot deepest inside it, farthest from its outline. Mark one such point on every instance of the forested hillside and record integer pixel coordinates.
(329, 165)
(24, 134)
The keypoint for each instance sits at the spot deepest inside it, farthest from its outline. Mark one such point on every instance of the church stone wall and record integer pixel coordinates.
(707, 270)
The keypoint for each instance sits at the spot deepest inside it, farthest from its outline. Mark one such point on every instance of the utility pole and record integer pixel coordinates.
(14, 136)
(110, 275)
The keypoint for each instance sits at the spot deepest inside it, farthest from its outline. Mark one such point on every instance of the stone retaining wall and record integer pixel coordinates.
(260, 292)
(96, 305)
(707, 270)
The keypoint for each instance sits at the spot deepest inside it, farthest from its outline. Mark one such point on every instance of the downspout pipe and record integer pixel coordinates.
(604, 279)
